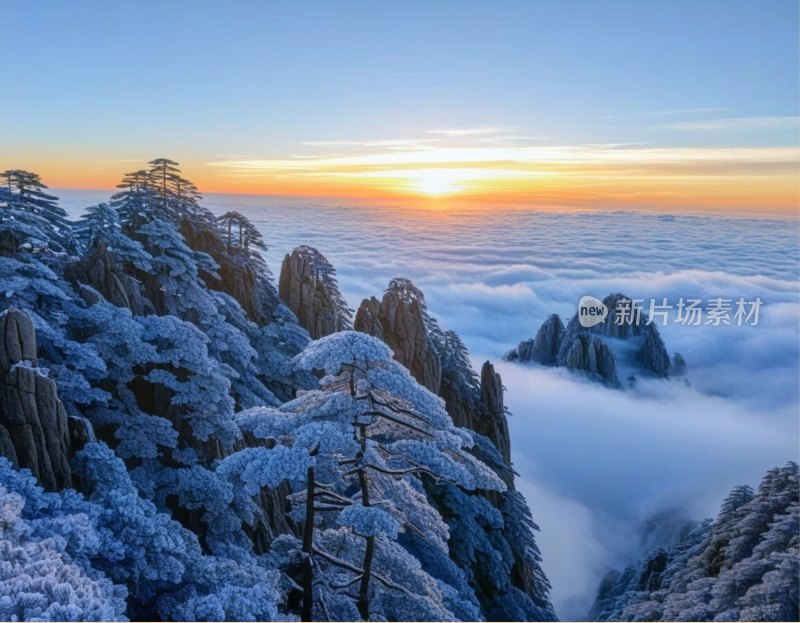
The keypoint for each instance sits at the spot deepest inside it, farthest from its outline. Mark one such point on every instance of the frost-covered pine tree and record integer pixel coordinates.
(456, 366)
(31, 217)
(136, 200)
(177, 197)
(158, 192)
(243, 241)
(100, 220)
(240, 232)
(376, 435)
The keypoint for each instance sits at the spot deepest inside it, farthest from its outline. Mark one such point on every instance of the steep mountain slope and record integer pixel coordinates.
(147, 356)
(439, 360)
(741, 567)
(308, 286)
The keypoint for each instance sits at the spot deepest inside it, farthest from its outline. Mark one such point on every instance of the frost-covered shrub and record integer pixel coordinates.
(43, 571)
(115, 535)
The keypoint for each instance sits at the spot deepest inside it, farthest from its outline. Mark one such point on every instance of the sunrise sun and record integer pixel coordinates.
(434, 182)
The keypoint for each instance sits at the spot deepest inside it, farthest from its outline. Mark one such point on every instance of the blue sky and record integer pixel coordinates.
(196, 80)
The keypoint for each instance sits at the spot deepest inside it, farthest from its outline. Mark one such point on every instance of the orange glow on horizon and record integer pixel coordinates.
(753, 181)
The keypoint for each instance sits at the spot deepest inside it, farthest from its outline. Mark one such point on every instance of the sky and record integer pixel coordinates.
(678, 105)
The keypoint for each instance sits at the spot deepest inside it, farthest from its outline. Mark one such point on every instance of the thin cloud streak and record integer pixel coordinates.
(616, 173)
(488, 129)
(664, 113)
(498, 162)
(391, 144)
(582, 154)
(735, 123)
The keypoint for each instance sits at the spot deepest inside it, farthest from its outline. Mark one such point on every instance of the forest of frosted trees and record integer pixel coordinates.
(205, 460)
(174, 446)
(743, 566)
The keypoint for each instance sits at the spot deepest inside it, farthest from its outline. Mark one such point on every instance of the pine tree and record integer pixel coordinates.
(242, 238)
(164, 174)
(376, 434)
(177, 197)
(100, 220)
(137, 200)
(158, 192)
(32, 217)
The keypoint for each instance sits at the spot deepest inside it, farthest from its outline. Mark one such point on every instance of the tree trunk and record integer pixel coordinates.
(363, 591)
(308, 549)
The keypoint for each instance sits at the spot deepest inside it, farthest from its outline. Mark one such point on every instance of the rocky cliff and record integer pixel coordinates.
(34, 431)
(239, 276)
(101, 271)
(399, 321)
(438, 360)
(652, 356)
(544, 347)
(492, 422)
(308, 287)
(585, 349)
(591, 355)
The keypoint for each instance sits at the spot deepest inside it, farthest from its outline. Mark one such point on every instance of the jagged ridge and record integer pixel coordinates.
(741, 567)
(583, 349)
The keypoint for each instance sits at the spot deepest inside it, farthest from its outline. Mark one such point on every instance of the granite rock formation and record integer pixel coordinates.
(591, 355)
(544, 347)
(399, 321)
(492, 422)
(626, 325)
(34, 428)
(630, 325)
(581, 348)
(438, 360)
(308, 287)
(653, 355)
(239, 277)
(99, 270)
(678, 365)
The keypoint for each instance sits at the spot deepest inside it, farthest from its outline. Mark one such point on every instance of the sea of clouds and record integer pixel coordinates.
(595, 463)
